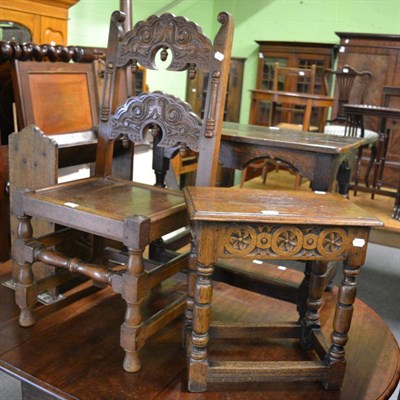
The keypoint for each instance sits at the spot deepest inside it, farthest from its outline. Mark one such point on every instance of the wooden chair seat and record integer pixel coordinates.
(297, 127)
(107, 202)
(265, 225)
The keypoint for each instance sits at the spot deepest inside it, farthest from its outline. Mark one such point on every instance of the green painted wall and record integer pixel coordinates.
(293, 20)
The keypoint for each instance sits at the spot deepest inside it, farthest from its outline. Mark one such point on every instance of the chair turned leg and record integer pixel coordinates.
(243, 178)
(297, 182)
(358, 170)
(341, 326)
(132, 339)
(198, 363)
(25, 290)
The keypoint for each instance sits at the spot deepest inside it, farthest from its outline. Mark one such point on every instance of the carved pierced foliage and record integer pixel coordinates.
(283, 241)
(184, 38)
(179, 125)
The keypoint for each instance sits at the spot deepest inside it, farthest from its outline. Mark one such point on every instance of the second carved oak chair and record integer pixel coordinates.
(123, 211)
(351, 87)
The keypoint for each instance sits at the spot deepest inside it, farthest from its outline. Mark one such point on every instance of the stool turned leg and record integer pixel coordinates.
(131, 335)
(198, 363)
(341, 325)
(303, 291)
(26, 289)
(191, 283)
(316, 290)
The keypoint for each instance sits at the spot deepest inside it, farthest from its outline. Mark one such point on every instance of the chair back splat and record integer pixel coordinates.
(345, 81)
(164, 115)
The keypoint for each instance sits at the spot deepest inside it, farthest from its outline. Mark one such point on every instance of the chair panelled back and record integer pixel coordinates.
(302, 78)
(170, 120)
(345, 78)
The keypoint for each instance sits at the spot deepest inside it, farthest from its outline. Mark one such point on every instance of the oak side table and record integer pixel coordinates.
(286, 225)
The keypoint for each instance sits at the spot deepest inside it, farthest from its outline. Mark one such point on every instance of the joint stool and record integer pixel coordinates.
(265, 225)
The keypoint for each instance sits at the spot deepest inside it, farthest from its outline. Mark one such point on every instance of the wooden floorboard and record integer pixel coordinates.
(74, 348)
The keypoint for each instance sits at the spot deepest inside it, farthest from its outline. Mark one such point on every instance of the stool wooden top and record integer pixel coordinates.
(274, 206)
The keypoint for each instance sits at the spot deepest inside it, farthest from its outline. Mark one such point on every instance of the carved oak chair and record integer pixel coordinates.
(252, 224)
(345, 79)
(351, 86)
(132, 213)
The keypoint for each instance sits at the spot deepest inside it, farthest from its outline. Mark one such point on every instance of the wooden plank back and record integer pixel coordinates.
(294, 77)
(57, 97)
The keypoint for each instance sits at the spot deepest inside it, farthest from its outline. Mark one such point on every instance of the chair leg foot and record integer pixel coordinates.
(25, 295)
(131, 361)
(26, 317)
(197, 376)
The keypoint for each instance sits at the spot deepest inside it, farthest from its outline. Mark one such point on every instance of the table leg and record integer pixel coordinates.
(355, 122)
(307, 116)
(198, 363)
(341, 326)
(343, 178)
(253, 112)
(372, 159)
(383, 158)
(396, 210)
(191, 284)
(324, 114)
(310, 321)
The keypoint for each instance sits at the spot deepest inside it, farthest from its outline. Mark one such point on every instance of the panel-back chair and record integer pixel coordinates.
(127, 212)
(62, 99)
(350, 86)
(345, 78)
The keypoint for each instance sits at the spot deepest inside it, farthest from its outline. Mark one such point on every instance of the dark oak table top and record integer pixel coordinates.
(290, 139)
(73, 350)
(298, 97)
(319, 157)
(372, 110)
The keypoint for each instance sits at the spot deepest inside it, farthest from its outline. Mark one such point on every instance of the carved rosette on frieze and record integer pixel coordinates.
(277, 241)
(166, 32)
(179, 125)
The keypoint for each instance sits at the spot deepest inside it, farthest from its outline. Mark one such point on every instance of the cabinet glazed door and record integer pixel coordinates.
(295, 55)
(321, 64)
(265, 82)
(196, 89)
